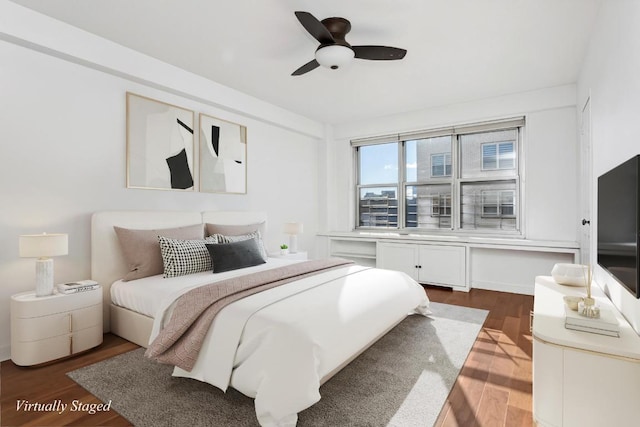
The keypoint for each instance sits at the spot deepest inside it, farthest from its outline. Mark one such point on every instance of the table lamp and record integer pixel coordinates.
(293, 229)
(43, 246)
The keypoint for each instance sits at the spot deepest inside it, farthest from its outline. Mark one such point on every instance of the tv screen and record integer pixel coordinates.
(618, 221)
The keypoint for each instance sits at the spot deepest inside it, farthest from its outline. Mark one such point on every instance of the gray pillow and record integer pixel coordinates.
(235, 255)
(141, 249)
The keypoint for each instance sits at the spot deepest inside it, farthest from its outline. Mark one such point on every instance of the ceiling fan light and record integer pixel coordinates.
(334, 56)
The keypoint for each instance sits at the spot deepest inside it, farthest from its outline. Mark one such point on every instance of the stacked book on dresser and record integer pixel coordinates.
(606, 324)
(75, 287)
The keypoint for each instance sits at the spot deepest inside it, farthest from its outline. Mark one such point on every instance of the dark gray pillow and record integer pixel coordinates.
(234, 255)
(221, 238)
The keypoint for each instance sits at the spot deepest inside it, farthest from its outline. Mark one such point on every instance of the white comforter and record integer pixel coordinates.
(276, 346)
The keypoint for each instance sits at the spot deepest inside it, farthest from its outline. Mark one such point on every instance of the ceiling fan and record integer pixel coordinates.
(334, 51)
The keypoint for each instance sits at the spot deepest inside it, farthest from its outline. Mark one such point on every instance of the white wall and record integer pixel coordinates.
(62, 145)
(611, 76)
(550, 144)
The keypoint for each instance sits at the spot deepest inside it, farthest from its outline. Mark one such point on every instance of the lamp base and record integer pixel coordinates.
(44, 277)
(293, 243)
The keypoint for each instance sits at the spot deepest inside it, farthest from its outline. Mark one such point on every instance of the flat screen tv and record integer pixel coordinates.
(618, 222)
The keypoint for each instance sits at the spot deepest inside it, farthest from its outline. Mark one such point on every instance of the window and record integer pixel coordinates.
(378, 207)
(441, 205)
(489, 205)
(441, 164)
(498, 155)
(498, 203)
(507, 204)
(464, 178)
(378, 185)
(428, 206)
(428, 182)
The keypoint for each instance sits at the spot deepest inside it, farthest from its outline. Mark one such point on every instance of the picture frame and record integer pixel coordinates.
(160, 145)
(223, 156)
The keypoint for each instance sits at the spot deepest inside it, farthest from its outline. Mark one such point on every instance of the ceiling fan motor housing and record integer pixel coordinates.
(334, 56)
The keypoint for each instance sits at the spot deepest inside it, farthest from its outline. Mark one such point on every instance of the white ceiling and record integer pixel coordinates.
(458, 50)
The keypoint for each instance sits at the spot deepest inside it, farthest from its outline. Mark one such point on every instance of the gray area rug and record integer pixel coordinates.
(402, 380)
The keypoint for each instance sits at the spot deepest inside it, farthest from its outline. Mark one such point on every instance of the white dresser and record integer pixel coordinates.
(55, 326)
(580, 378)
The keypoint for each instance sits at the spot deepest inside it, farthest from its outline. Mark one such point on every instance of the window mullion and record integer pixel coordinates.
(402, 164)
(356, 179)
(455, 183)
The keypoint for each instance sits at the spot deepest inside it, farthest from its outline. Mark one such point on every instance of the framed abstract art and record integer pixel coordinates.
(160, 145)
(223, 156)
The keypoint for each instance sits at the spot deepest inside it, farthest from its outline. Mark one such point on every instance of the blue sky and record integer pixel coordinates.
(379, 163)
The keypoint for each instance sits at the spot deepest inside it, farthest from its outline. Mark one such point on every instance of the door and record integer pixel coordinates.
(399, 257)
(442, 265)
(586, 186)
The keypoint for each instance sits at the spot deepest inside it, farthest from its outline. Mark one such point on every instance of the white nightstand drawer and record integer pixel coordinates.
(87, 338)
(27, 305)
(35, 352)
(45, 350)
(37, 328)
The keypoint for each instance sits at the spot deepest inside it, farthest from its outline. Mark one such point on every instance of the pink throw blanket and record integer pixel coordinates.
(179, 342)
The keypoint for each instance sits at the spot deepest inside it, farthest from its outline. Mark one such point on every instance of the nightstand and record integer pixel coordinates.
(55, 326)
(298, 255)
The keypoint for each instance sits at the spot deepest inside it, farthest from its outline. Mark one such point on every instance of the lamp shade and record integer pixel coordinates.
(43, 245)
(334, 56)
(292, 228)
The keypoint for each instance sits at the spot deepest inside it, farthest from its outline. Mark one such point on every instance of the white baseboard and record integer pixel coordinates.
(503, 287)
(5, 353)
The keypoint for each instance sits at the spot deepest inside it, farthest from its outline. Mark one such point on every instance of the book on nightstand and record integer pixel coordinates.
(80, 286)
(606, 324)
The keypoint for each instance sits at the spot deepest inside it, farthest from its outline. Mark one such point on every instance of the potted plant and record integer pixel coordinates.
(284, 249)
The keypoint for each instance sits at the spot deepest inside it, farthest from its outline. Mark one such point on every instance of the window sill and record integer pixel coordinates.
(477, 241)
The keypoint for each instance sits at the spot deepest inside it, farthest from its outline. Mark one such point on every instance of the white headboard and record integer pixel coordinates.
(237, 218)
(107, 261)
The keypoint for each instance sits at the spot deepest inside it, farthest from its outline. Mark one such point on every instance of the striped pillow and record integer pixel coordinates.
(182, 257)
(254, 235)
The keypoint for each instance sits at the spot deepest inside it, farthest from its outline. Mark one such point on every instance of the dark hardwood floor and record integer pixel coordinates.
(493, 388)
(45, 384)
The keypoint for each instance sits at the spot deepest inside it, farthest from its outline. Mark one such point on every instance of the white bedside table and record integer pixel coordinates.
(301, 255)
(55, 326)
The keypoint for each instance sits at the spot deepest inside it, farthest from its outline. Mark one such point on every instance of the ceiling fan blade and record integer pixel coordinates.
(315, 27)
(311, 65)
(379, 53)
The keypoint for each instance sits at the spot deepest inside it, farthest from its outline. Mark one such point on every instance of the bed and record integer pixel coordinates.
(277, 346)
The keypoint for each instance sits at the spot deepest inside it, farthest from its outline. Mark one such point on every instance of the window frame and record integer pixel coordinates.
(455, 179)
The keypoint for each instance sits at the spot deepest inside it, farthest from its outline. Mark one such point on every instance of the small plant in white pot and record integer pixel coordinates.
(284, 249)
